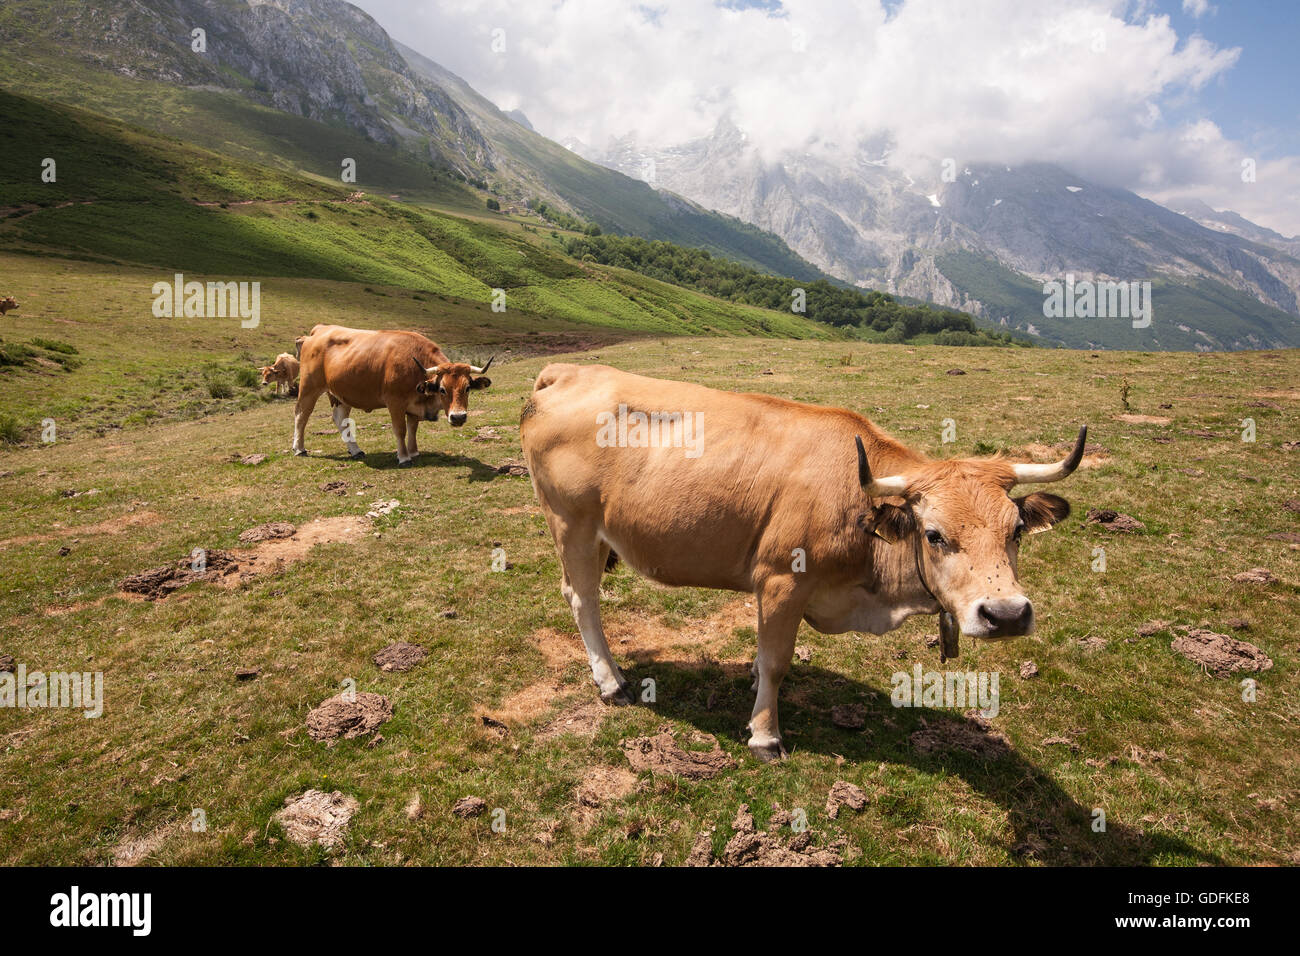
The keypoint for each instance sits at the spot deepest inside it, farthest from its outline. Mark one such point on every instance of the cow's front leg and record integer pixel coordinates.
(780, 608)
(301, 413)
(398, 416)
(343, 421)
(412, 423)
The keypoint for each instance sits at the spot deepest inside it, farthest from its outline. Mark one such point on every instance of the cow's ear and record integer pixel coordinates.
(480, 382)
(890, 522)
(1041, 511)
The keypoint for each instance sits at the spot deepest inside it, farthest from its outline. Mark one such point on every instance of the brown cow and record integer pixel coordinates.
(702, 488)
(284, 371)
(8, 304)
(403, 371)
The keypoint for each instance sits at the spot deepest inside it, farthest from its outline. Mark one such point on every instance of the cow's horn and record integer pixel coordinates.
(877, 488)
(1033, 473)
(479, 371)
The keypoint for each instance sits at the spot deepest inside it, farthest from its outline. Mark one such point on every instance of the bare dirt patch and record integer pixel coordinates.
(975, 735)
(231, 568)
(1094, 455)
(582, 719)
(661, 754)
(650, 639)
(399, 656)
(602, 785)
(317, 817)
(134, 850)
(132, 519)
(1219, 654)
(345, 716)
(1143, 419)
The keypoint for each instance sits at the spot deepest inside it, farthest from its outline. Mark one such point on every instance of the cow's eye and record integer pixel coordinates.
(935, 538)
(442, 390)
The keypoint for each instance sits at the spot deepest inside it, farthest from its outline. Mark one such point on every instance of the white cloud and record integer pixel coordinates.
(1197, 8)
(1085, 83)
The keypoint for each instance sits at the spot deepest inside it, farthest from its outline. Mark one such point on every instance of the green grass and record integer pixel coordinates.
(179, 733)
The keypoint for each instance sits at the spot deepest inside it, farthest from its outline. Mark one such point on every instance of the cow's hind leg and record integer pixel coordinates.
(780, 608)
(583, 556)
(412, 423)
(347, 427)
(306, 404)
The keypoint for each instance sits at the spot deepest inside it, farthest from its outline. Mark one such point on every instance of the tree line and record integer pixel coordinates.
(875, 315)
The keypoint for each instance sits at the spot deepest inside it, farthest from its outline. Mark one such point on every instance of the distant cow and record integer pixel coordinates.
(816, 511)
(297, 345)
(8, 304)
(402, 371)
(283, 371)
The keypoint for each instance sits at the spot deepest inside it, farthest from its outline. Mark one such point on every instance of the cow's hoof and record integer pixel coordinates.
(406, 464)
(767, 752)
(299, 453)
(622, 697)
(360, 454)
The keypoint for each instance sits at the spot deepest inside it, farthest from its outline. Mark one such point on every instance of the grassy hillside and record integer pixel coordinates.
(1185, 770)
(1180, 309)
(57, 54)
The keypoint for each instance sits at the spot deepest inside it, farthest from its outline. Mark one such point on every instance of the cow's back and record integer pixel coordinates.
(765, 474)
(362, 367)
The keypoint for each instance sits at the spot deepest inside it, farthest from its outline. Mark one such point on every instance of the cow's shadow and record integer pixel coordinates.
(1049, 825)
(387, 461)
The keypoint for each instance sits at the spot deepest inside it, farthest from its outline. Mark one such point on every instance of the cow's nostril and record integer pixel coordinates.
(1001, 614)
(457, 418)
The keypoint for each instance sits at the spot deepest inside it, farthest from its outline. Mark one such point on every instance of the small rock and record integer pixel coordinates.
(804, 653)
(248, 673)
(1028, 669)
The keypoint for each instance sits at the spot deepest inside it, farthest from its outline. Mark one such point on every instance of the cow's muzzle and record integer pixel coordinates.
(1005, 617)
(457, 418)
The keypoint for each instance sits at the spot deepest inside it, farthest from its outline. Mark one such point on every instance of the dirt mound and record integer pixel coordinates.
(335, 487)
(513, 466)
(1219, 654)
(661, 754)
(975, 735)
(753, 847)
(159, 582)
(317, 817)
(1153, 627)
(582, 719)
(467, 807)
(399, 656)
(345, 716)
(1254, 576)
(1113, 520)
(849, 716)
(844, 794)
(267, 532)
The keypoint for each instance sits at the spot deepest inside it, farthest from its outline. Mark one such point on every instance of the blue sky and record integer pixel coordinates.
(1257, 101)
